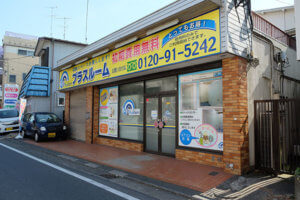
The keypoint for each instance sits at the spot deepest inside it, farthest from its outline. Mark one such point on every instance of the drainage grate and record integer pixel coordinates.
(109, 176)
(213, 173)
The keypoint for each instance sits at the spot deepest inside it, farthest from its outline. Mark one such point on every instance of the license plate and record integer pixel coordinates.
(51, 135)
(9, 129)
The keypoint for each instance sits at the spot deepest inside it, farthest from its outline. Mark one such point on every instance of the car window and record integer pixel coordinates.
(31, 119)
(26, 118)
(47, 118)
(8, 113)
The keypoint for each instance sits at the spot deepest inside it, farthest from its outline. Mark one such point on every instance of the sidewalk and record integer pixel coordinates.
(183, 173)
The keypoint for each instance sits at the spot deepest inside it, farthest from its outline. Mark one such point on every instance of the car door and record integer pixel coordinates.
(30, 127)
(25, 121)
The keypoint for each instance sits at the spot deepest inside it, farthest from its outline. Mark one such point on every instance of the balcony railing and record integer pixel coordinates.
(272, 31)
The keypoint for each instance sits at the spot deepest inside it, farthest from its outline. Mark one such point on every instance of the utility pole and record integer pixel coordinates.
(86, 21)
(52, 17)
(65, 25)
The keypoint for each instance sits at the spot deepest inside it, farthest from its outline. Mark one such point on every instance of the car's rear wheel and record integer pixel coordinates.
(36, 137)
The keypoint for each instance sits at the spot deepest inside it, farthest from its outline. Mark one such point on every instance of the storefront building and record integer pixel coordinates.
(173, 83)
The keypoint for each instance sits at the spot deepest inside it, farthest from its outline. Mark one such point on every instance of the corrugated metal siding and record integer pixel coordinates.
(77, 114)
(38, 104)
(237, 34)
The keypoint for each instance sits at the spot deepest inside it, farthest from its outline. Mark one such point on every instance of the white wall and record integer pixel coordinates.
(283, 19)
(264, 79)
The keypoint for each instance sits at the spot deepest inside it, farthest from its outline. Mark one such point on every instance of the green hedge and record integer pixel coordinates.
(297, 172)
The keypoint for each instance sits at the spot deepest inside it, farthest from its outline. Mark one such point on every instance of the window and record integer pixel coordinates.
(131, 111)
(30, 53)
(108, 122)
(61, 101)
(24, 76)
(8, 114)
(31, 118)
(26, 117)
(23, 52)
(161, 85)
(201, 110)
(47, 118)
(12, 78)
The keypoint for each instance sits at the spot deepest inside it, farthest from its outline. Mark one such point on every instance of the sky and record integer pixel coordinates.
(33, 17)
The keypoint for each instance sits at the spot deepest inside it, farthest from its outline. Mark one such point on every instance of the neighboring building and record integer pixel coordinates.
(42, 95)
(1, 74)
(282, 17)
(179, 82)
(36, 89)
(297, 18)
(18, 55)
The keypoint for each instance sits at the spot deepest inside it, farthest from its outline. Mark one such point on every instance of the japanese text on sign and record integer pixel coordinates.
(193, 39)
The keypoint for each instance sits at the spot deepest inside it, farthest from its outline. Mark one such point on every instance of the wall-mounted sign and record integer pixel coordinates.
(192, 39)
(108, 115)
(11, 93)
(201, 110)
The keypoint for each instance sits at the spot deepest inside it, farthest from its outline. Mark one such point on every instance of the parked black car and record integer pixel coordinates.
(43, 125)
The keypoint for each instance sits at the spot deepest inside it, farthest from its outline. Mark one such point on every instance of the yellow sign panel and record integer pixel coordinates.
(192, 39)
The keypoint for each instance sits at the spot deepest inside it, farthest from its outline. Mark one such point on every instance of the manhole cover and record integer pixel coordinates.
(213, 173)
(109, 176)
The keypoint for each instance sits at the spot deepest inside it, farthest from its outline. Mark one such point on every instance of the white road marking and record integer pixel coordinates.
(97, 184)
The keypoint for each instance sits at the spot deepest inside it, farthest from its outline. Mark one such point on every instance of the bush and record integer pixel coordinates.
(297, 172)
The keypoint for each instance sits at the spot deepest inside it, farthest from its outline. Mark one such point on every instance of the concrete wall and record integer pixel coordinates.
(57, 50)
(264, 79)
(15, 64)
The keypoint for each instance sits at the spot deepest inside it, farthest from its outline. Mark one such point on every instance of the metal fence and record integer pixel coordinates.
(277, 134)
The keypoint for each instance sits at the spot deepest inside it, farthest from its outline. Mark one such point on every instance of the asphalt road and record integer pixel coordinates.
(23, 178)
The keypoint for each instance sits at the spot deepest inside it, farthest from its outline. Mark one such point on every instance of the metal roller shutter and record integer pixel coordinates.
(77, 114)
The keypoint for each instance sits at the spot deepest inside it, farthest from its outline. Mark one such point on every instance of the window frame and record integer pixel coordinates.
(120, 110)
(58, 103)
(174, 72)
(12, 75)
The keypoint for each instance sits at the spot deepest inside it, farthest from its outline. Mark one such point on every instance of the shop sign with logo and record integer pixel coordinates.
(11, 93)
(196, 38)
(108, 115)
(128, 108)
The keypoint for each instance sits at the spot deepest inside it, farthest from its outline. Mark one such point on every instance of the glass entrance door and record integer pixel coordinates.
(161, 124)
(168, 132)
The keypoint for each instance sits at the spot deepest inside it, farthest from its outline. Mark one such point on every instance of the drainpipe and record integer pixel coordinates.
(51, 75)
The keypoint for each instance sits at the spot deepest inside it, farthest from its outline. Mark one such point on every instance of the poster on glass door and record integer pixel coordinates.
(108, 115)
(201, 110)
